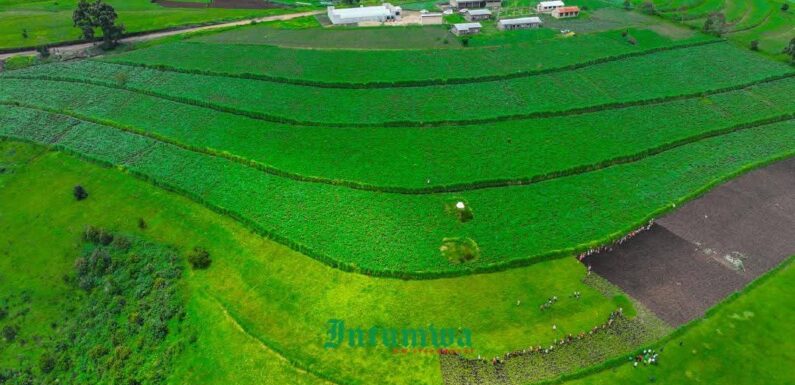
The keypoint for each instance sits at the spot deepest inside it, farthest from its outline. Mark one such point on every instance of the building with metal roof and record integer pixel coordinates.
(466, 29)
(380, 13)
(519, 23)
(549, 6)
(477, 14)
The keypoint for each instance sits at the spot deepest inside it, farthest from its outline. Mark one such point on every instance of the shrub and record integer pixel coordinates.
(10, 333)
(80, 193)
(142, 224)
(121, 78)
(754, 45)
(121, 243)
(460, 209)
(785, 7)
(24, 33)
(91, 234)
(46, 363)
(199, 258)
(648, 8)
(44, 51)
(3, 313)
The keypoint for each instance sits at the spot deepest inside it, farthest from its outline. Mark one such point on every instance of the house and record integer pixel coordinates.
(549, 6)
(380, 13)
(466, 29)
(474, 4)
(429, 18)
(519, 23)
(566, 12)
(477, 14)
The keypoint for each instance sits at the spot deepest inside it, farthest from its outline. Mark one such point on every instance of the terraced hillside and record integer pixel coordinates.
(354, 152)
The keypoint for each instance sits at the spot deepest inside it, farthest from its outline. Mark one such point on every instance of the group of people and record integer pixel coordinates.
(648, 357)
(625, 238)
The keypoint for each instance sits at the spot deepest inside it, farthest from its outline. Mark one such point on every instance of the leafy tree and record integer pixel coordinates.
(790, 49)
(24, 33)
(46, 363)
(9, 333)
(754, 45)
(785, 7)
(648, 8)
(199, 258)
(80, 193)
(715, 24)
(627, 4)
(89, 16)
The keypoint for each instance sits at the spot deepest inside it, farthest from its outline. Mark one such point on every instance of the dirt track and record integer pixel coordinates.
(156, 35)
(683, 264)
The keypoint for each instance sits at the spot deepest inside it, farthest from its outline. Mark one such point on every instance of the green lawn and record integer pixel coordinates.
(260, 310)
(748, 340)
(49, 22)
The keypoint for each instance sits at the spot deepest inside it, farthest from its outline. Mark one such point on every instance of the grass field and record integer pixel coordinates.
(747, 20)
(739, 342)
(48, 22)
(253, 279)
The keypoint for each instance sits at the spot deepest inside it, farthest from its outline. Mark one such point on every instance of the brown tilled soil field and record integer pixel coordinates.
(707, 249)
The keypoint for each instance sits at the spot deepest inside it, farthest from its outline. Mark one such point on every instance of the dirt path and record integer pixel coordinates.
(156, 35)
(688, 260)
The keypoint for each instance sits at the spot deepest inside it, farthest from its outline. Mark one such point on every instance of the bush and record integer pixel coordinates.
(199, 258)
(46, 363)
(142, 224)
(755, 45)
(80, 193)
(785, 7)
(44, 51)
(460, 250)
(10, 333)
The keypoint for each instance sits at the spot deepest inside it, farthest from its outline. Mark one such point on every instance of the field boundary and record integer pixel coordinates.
(437, 123)
(460, 187)
(414, 275)
(411, 83)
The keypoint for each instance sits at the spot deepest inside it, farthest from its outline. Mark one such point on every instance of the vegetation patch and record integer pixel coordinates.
(460, 250)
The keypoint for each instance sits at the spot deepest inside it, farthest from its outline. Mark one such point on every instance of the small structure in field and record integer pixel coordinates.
(477, 14)
(519, 23)
(462, 29)
(549, 6)
(474, 4)
(566, 12)
(430, 18)
(380, 13)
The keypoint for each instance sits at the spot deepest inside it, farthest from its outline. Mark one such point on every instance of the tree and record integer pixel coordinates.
(24, 33)
(199, 258)
(790, 49)
(648, 8)
(80, 193)
(715, 24)
(89, 16)
(785, 7)
(754, 45)
(627, 4)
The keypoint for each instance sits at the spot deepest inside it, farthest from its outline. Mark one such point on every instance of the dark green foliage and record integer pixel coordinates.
(10, 333)
(790, 49)
(460, 250)
(648, 8)
(785, 7)
(3, 313)
(199, 258)
(80, 193)
(44, 51)
(89, 16)
(46, 363)
(627, 4)
(754, 45)
(142, 224)
(24, 33)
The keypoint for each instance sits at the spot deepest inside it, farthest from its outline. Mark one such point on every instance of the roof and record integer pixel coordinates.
(466, 26)
(569, 9)
(350, 13)
(428, 14)
(551, 3)
(478, 12)
(521, 20)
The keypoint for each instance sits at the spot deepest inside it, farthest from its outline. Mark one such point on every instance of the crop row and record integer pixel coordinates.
(399, 235)
(353, 69)
(641, 80)
(427, 161)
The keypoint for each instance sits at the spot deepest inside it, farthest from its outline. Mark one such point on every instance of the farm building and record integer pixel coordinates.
(466, 29)
(477, 14)
(549, 6)
(380, 13)
(565, 12)
(519, 23)
(430, 18)
(476, 4)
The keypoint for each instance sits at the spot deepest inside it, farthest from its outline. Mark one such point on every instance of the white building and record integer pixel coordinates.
(548, 6)
(477, 14)
(467, 4)
(466, 29)
(380, 13)
(519, 23)
(430, 18)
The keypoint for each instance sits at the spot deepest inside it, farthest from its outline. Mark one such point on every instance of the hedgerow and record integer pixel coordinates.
(559, 146)
(641, 80)
(379, 233)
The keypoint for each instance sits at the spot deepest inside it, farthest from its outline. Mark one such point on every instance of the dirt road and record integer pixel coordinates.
(156, 35)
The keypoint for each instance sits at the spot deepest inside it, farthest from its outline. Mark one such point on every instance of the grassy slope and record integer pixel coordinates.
(748, 340)
(665, 74)
(51, 21)
(281, 298)
(512, 225)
